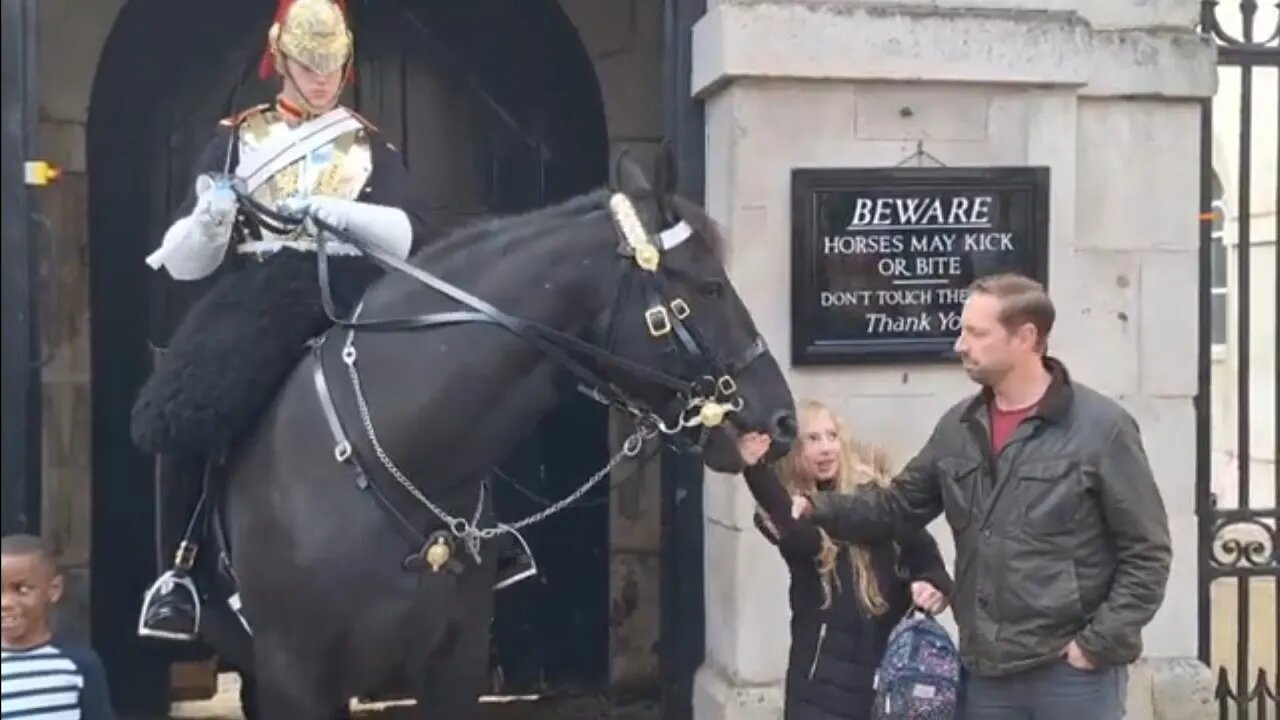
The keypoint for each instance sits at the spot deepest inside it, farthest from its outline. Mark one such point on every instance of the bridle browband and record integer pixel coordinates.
(703, 402)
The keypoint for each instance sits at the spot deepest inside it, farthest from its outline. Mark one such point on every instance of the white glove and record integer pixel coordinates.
(331, 210)
(195, 245)
(216, 207)
(382, 226)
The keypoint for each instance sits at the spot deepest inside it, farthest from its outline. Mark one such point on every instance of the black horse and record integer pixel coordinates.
(355, 511)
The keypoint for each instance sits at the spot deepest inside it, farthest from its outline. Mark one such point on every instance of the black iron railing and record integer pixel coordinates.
(1237, 543)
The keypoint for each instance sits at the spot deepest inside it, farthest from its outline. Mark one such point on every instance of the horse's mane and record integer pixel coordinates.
(504, 230)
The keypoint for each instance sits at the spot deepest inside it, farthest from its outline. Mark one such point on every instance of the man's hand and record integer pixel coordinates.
(801, 507)
(753, 446)
(1076, 657)
(927, 597)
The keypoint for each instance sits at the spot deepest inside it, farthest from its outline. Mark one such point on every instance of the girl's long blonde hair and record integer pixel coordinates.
(859, 464)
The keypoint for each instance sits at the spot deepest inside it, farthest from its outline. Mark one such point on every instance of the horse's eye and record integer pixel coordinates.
(711, 288)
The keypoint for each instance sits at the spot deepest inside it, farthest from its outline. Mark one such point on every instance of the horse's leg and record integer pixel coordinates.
(292, 684)
(249, 697)
(455, 678)
(249, 701)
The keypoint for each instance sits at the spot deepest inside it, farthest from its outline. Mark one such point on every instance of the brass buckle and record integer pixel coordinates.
(726, 386)
(185, 556)
(658, 321)
(680, 309)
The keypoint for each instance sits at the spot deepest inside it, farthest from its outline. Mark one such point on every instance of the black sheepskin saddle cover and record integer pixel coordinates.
(228, 357)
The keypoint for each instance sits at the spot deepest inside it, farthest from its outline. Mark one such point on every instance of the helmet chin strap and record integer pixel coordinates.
(300, 98)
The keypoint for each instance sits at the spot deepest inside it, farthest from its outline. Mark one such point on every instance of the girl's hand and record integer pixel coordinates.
(753, 446)
(927, 597)
(801, 507)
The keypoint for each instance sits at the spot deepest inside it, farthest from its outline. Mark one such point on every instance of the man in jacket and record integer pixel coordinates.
(1062, 541)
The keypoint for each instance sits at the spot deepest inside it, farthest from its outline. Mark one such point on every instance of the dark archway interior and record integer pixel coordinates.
(496, 108)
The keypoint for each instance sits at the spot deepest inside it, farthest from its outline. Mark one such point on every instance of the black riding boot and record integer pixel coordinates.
(171, 606)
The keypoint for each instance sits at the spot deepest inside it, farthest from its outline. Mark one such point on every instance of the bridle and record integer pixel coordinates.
(703, 402)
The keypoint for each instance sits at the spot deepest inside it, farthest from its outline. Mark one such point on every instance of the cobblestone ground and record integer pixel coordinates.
(226, 706)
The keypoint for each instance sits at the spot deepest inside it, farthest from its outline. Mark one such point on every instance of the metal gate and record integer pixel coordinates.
(1238, 484)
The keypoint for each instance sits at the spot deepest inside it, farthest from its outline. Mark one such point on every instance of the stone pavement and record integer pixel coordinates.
(226, 706)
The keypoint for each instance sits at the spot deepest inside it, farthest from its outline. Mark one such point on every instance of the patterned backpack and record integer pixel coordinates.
(919, 676)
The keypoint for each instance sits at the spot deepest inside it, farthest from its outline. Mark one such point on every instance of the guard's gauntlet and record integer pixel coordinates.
(382, 226)
(195, 245)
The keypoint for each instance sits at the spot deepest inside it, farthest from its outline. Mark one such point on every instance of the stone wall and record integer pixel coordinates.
(1104, 94)
(70, 37)
(624, 39)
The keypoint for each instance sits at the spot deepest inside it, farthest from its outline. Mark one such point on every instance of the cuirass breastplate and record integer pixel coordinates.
(339, 168)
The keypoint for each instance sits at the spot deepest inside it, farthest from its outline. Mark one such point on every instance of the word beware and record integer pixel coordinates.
(920, 210)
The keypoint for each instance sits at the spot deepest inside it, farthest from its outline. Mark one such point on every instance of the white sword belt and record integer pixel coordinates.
(264, 248)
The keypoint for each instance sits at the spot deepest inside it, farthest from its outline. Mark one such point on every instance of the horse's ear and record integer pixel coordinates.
(665, 176)
(628, 177)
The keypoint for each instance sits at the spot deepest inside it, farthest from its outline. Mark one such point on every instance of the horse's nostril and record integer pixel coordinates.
(784, 427)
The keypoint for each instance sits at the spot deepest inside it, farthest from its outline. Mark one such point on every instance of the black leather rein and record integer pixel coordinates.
(554, 343)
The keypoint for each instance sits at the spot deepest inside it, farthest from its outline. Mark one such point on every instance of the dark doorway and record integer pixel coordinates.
(20, 401)
(496, 108)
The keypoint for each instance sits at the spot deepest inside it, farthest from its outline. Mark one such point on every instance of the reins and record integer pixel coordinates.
(704, 401)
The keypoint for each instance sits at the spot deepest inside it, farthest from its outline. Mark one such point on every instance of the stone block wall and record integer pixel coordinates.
(1103, 93)
(625, 41)
(70, 36)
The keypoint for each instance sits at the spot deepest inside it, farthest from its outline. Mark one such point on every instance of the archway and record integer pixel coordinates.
(496, 108)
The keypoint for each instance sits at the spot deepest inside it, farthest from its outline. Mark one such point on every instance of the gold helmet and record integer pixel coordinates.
(311, 32)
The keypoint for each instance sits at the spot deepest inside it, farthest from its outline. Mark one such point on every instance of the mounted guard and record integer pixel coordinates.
(225, 361)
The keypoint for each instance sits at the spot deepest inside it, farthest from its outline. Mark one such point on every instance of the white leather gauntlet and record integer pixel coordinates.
(382, 226)
(195, 245)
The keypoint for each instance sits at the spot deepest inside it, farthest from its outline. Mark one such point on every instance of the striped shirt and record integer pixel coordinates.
(53, 682)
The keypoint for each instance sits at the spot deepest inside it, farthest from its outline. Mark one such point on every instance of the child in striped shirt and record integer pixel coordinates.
(42, 678)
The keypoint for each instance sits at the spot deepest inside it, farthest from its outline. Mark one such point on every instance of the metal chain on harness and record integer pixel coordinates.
(468, 530)
(700, 411)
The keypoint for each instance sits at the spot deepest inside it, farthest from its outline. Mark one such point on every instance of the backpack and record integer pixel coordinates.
(919, 675)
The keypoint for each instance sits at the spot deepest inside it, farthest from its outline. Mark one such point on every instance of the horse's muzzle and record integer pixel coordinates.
(782, 433)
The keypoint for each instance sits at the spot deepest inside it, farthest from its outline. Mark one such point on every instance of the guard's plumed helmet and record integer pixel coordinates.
(311, 32)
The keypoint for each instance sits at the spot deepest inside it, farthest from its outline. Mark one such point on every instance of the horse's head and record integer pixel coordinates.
(678, 314)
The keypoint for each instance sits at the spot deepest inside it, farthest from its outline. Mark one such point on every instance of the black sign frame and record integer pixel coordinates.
(807, 346)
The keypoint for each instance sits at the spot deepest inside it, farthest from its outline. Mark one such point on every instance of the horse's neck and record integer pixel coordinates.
(470, 393)
(567, 278)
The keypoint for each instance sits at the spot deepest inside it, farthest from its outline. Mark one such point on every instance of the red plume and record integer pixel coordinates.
(267, 66)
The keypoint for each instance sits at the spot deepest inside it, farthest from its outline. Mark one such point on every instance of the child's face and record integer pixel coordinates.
(31, 586)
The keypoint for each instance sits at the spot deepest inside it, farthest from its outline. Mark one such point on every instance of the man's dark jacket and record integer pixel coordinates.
(1062, 535)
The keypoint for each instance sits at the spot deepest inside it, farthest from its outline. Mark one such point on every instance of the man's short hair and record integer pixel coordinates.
(24, 544)
(1022, 301)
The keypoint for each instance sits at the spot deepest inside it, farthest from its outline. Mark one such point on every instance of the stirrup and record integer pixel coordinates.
(168, 583)
(525, 553)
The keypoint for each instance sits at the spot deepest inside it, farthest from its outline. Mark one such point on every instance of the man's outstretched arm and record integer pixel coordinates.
(873, 514)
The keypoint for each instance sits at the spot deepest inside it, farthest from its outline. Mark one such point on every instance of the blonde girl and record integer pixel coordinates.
(845, 598)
